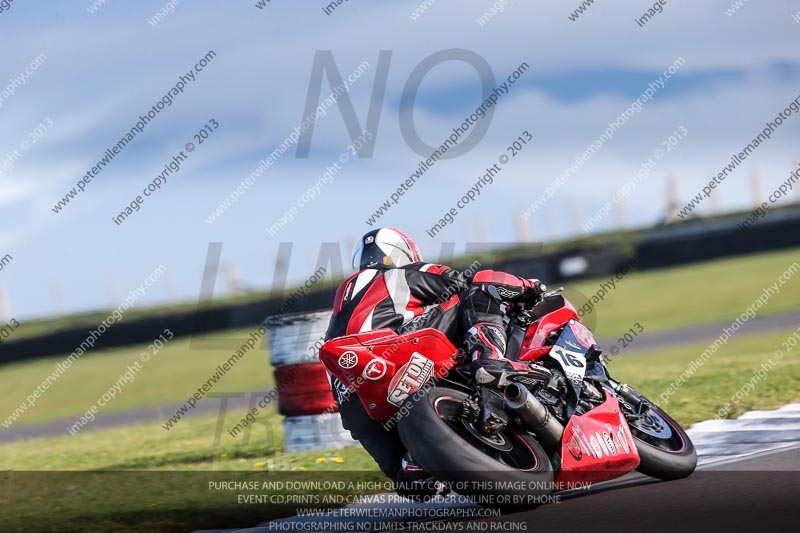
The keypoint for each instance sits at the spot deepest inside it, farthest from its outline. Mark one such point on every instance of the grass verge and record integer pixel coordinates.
(171, 375)
(174, 494)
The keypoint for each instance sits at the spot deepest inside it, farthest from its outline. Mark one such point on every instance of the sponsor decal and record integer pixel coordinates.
(574, 447)
(579, 432)
(602, 444)
(375, 369)
(349, 291)
(576, 380)
(341, 390)
(348, 360)
(574, 345)
(506, 293)
(411, 377)
(525, 380)
(595, 446)
(623, 435)
(610, 443)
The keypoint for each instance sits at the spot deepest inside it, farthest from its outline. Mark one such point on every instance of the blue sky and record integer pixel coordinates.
(105, 69)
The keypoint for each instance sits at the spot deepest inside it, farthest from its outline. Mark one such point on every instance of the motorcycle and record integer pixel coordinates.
(561, 422)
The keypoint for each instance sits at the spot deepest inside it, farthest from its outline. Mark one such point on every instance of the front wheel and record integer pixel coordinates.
(509, 470)
(665, 450)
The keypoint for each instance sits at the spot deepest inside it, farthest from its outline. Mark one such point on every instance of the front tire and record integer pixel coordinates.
(510, 471)
(665, 450)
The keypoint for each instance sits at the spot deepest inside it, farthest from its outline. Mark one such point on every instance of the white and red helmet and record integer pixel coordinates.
(386, 247)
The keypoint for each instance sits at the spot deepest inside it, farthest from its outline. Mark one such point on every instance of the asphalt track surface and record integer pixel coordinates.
(755, 494)
(646, 341)
(121, 418)
(748, 479)
(694, 334)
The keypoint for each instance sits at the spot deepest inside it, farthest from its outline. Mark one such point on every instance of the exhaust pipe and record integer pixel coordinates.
(534, 415)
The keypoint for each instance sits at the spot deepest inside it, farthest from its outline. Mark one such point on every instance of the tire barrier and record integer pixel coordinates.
(316, 432)
(312, 420)
(304, 390)
(295, 339)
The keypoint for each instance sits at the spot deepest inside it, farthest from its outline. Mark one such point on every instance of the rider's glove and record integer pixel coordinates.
(534, 289)
(509, 288)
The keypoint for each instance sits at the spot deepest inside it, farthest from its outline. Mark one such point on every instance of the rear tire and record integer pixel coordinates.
(448, 449)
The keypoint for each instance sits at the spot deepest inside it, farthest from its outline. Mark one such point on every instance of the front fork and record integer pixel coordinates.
(634, 402)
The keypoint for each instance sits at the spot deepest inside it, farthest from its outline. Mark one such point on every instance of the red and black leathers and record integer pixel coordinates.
(419, 295)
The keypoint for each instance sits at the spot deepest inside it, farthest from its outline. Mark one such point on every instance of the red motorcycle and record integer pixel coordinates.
(562, 422)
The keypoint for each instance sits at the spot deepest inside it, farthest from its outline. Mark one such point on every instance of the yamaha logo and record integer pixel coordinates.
(348, 360)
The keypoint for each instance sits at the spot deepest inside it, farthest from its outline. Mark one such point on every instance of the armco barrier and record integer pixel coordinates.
(689, 243)
(138, 330)
(679, 244)
(312, 421)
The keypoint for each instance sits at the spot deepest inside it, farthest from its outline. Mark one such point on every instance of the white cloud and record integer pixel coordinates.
(104, 70)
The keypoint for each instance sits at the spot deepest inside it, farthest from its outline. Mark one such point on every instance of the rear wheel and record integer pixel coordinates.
(509, 470)
(665, 450)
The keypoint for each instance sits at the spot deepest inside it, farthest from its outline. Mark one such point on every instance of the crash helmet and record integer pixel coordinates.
(384, 248)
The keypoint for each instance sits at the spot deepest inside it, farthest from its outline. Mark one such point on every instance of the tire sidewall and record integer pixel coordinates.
(660, 464)
(444, 453)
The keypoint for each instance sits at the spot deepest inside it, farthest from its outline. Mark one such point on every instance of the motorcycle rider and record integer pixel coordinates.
(394, 288)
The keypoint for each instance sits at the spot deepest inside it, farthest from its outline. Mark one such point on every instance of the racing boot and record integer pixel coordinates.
(485, 345)
(486, 348)
(413, 482)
